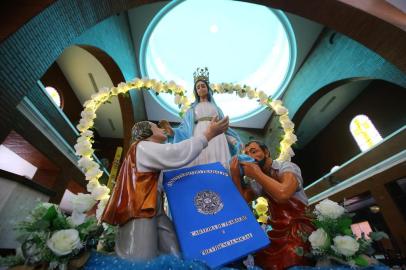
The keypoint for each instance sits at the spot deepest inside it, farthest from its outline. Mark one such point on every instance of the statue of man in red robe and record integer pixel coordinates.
(282, 184)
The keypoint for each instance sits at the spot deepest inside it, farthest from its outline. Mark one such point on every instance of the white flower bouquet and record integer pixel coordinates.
(333, 239)
(49, 237)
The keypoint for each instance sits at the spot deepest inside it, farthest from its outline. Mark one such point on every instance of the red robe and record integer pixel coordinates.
(288, 221)
(134, 195)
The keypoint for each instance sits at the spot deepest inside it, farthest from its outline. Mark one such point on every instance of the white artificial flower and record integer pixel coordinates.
(82, 202)
(280, 110)
(83, 148)
(90, 104)
(104, 90)
(101, 207)
(290, 138)
(178, 99)
(284, 118)
(81, 127)
(284, 156)
(87, 133)
(101, 192)
(76, 218)
(164, 87)
(83, 144)
(251, 94)
(220, 88)
(263, 97)
(328, 209)
(88, 114)
(185, 102)
(286, 123)
(92, 185)
(229, 88)
(86, 163)
(115, 91)
(122, 87)
(284, 145)
(64, 242)
(171, 85)
(153, 83)
(319, 239)
(214, 87)
(277, 106)
(95, 96)
(138, 83)
(290, 152)
(148, 83)
(82, 139)
(159, 87)
(275, 103)
(345, 245)
(86, 123)
(93, 173)
(241, 94)
(180, 89)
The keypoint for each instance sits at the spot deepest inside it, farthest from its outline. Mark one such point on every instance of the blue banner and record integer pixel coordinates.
(212, 221)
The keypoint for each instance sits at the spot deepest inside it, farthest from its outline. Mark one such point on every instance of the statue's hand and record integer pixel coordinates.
(235, 168)
(164, 124)
(216, 127)
(252, 170)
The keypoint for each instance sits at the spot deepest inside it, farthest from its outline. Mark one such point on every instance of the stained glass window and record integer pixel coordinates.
(364, 132)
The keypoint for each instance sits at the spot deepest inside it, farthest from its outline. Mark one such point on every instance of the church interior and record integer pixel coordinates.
(340, 70)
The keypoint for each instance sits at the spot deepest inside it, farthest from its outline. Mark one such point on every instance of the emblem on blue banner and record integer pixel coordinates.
(208, 202)
(213, 222)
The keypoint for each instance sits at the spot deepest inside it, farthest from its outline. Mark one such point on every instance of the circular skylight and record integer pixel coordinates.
(239, 42)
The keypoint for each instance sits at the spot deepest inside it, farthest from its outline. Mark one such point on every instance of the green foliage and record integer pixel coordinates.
(299, 251)
(341, 225)
(39, 226)
(50, 214)
(10, 261)
(107, 239)
(360, 261)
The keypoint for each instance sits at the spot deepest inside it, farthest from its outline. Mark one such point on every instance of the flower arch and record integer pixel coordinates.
(84, 149)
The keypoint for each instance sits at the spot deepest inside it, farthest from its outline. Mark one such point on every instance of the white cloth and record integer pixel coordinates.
(152, 157)
(287, 166)
(217, 149)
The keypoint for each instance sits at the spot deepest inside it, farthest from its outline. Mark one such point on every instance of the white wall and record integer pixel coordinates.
(16, 200)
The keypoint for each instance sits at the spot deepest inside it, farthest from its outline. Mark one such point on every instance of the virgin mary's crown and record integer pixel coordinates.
(201, 74)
